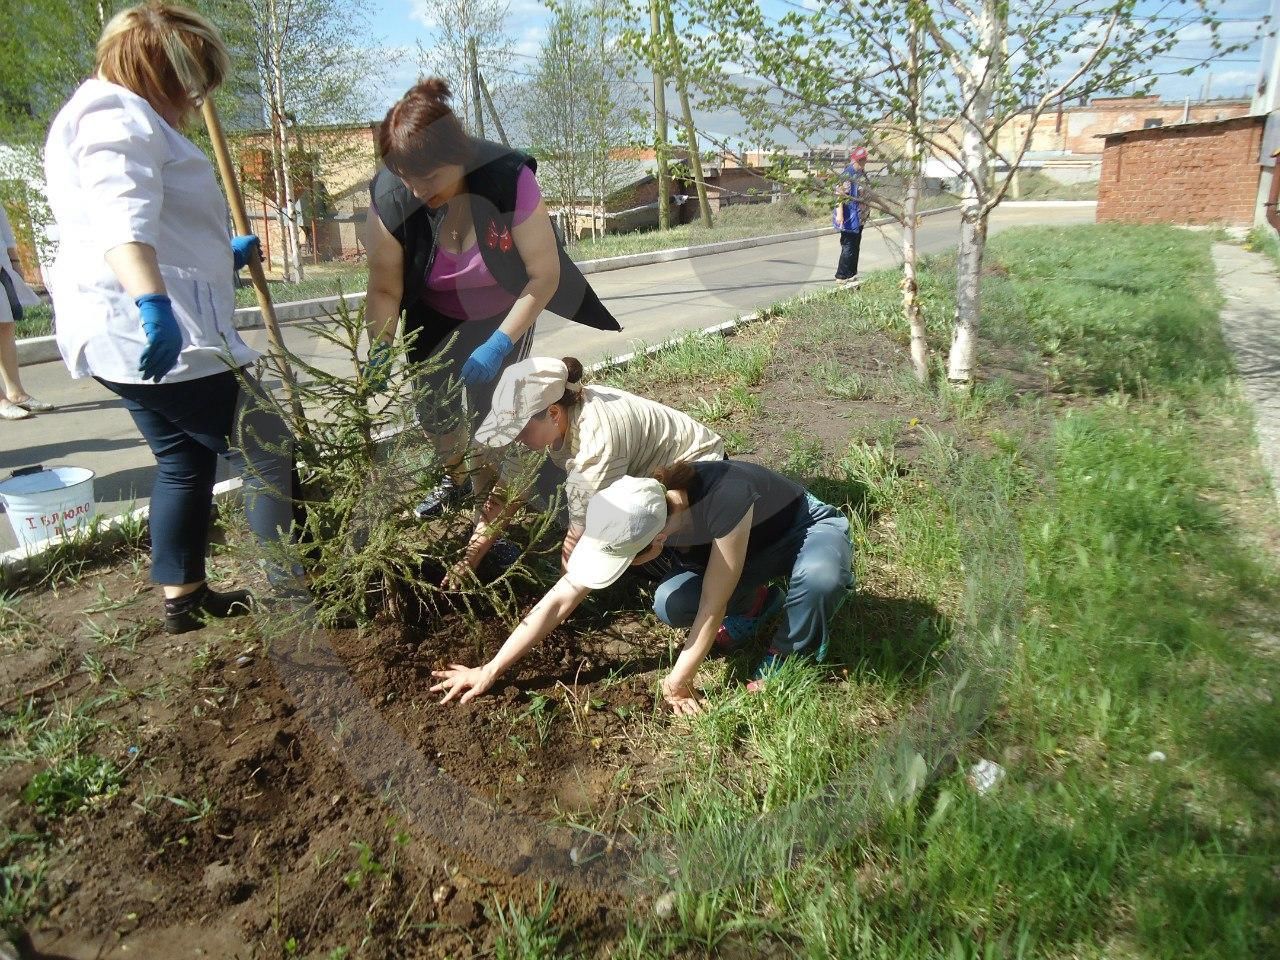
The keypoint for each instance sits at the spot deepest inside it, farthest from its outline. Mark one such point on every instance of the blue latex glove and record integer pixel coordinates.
(486, 360)
(245, 250)
(164, 339)
(377, 369)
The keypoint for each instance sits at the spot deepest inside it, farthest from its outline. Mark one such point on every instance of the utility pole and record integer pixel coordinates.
(497, 122)
(474, 70)
(660, 111)
(691, 132)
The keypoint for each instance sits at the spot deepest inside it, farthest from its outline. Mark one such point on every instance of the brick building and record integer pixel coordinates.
(1076, 129)
(331, 168)
(1190, 173)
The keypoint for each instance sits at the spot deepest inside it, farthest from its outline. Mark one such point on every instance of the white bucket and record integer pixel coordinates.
(48, 503)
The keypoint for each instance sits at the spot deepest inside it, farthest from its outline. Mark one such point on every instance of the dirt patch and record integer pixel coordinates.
(241, 816)
(314, 796)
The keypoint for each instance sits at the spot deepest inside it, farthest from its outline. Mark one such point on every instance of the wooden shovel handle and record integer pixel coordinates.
(235, 199)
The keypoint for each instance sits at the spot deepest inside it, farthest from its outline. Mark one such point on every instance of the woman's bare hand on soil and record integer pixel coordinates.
(681, 698)
(465, 683)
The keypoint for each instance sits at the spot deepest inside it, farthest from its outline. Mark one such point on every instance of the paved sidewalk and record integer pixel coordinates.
(1251, 324)
(653, 302)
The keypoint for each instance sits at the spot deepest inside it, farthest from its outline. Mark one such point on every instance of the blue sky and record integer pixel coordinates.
(401, 24)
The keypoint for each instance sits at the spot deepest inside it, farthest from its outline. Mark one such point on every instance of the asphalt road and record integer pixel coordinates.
(91, 429)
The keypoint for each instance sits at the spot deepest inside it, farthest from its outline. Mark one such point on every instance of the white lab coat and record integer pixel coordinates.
(118, 173)
(26, 296)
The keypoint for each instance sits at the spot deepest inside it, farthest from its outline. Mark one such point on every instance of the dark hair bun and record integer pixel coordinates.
(433, 88)
(575, 368)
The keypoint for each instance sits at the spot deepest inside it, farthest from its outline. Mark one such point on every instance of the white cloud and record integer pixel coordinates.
(1232, 31)
(1231, 80)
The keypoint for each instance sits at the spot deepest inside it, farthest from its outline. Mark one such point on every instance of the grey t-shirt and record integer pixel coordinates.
(720, 497)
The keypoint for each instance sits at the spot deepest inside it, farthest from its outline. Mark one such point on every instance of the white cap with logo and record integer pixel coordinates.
(622, 521)
(524, 390)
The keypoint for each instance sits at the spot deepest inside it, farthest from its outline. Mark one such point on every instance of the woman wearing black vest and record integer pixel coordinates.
(460, 240)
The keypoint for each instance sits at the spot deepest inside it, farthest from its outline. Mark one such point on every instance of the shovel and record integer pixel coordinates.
(235, 200)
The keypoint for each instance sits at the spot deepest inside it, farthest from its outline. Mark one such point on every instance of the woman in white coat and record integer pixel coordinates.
(15, 297)
(143, 288)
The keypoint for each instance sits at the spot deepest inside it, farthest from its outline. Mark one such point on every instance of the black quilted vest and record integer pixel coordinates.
(491, 181)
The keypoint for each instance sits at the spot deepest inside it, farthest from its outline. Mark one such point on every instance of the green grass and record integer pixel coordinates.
(1035, 185)
(1074, 585)
(732, 223)
(35, 322)
(71, 784)
(691, 360)
(528, 935)
(318, 280)
(1266, 241)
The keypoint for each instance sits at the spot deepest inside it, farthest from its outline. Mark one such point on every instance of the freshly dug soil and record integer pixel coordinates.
(292, 800)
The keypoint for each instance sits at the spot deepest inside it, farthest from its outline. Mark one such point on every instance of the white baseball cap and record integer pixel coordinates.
(622, 520)
(524, 390)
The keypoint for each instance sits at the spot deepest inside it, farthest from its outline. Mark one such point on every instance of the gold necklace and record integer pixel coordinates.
(455, 234)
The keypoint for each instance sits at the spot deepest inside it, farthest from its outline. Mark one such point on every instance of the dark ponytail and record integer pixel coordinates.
(573, 384)
(679, 476)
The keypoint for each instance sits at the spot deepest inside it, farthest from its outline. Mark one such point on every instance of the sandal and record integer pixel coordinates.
(32, 404)
(11, 411)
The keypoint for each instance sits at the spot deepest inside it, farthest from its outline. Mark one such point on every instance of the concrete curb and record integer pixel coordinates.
(45, 349)
(38, 350)
(16, 562)
(1017, 204)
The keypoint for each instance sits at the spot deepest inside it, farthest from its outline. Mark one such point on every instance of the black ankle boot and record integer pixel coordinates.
(189, 612)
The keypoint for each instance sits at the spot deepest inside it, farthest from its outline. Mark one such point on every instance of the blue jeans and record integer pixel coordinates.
(188, 425)
(816, 554)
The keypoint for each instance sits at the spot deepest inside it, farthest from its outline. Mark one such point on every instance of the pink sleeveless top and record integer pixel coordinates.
(460, 285)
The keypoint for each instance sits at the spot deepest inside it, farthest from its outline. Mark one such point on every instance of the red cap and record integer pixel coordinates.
(858, 154)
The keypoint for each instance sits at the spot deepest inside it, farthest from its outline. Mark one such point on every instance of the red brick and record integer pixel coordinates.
(1206, 174)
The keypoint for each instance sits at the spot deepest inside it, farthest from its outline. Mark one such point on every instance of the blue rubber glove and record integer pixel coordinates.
(245, 250)
(486, 360)
(164, 339)
(377, 369)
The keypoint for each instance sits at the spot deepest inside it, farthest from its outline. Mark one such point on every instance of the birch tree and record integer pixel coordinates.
(46, 51)
(456, 25)
(848, 68)
(306, 70)
(576, 110)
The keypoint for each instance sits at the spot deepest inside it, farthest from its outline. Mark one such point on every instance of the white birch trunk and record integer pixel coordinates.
(978, 87)
(277, 195)
(910, 281)
(292, 244)
(911, 224)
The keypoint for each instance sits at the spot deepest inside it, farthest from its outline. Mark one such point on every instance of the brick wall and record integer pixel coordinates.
(1077, 128)
(1204, 173)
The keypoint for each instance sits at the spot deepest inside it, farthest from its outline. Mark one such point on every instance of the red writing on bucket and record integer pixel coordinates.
(61, 518)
